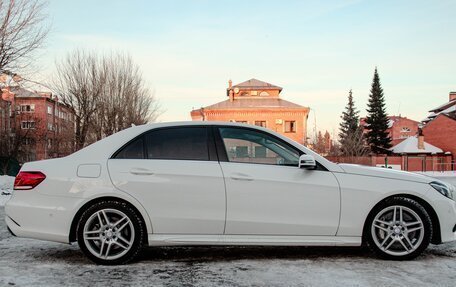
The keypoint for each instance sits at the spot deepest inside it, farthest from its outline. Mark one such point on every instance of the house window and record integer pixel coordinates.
(49, 110)
(25, 125)
(50, 127)
(31, 156)
(29, 141)
(241, 122)
(260, 151)
(27, 108)
(405, 130)
(264, 94)
(242, 151)
(260, 123)
(290, 126)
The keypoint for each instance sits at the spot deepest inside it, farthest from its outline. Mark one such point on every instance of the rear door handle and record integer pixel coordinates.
(141, 171)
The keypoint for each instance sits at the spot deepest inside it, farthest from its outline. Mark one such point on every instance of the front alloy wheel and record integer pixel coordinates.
(399, 229)
(110, 232)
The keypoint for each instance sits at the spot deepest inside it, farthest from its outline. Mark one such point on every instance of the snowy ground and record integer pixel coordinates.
(6, 187)
(25, 262)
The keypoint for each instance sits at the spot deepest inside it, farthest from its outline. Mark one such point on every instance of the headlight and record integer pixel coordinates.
(445, 189)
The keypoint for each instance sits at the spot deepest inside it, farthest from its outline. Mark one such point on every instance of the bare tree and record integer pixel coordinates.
(354, 144)
(125, 99)
(107, 94)
(80, 83)
(22, 32)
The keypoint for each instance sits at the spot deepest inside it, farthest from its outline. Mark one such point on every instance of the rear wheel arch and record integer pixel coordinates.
(436, 234)
(74, 223)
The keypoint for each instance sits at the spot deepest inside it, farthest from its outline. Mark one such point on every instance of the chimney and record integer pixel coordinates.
(452, 96)
(231, 95)
(230, 84)
(420, 139)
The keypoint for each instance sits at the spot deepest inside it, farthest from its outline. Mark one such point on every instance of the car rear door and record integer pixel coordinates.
(175, 174)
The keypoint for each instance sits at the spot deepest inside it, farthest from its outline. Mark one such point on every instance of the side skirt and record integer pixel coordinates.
(184, 239)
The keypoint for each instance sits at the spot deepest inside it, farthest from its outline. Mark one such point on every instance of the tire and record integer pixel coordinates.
(403, 238)
(111, 232)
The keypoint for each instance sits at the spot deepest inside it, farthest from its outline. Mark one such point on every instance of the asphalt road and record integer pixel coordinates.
(25, 262)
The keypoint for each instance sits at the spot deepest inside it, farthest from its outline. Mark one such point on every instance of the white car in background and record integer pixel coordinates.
(212, 183)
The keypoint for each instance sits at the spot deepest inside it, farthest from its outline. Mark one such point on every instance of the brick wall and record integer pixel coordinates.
(441, 132)
(402, 129)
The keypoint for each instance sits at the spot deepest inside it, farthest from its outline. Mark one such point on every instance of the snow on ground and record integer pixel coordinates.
(6, 187)
(446, 176)
(26, 262)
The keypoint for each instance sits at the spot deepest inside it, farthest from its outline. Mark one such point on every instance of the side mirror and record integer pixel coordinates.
(307, 161)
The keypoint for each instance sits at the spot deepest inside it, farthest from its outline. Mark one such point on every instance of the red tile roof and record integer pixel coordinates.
(254, 103)
(256, 84)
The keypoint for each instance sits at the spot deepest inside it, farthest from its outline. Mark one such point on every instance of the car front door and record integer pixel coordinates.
(268, 194)
(175, 174)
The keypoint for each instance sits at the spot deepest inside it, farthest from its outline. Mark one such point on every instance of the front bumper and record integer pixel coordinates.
(33, 215)
(446, 213)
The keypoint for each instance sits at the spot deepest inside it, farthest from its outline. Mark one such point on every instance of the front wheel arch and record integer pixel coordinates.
(436, 234)
(74, 223)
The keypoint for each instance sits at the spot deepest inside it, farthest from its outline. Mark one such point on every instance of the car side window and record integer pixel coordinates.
(133, 150)
(249, 146)
(186, 143)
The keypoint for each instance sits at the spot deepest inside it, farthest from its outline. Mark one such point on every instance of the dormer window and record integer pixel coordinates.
(245, 94)
(405, 130)
(264, 94)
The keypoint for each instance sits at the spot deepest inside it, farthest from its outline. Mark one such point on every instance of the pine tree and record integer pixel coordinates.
(377, 119)
(351, 134)
(350, 119)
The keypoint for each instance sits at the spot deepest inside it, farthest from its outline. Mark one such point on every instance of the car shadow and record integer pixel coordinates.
(232, 253)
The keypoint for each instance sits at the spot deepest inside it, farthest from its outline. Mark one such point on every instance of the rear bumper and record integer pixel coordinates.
(33, 215)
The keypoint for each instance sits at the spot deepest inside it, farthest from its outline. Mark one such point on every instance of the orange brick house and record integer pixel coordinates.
(440, 126)
(258, 103)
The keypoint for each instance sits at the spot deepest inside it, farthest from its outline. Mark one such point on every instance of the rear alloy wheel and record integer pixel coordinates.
(399, 229)
(110, 232)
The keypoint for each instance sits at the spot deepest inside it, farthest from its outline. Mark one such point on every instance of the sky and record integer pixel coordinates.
(316, 50)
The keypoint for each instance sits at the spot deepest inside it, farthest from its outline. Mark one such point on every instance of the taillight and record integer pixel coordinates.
(28, 179)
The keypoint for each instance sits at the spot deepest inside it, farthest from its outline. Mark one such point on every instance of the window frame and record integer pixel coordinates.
(211, 146)
(223, 156)
(260, 121)
(221, 147)
(292, 131)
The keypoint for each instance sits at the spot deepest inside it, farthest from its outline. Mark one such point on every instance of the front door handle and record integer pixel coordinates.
(241, 177)
(141, 171)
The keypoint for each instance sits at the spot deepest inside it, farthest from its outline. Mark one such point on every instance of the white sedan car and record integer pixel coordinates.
(211, 183)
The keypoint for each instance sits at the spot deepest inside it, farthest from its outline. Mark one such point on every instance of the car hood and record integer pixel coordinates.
(385, 172)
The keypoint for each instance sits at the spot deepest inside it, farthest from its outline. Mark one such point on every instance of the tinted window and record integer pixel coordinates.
(187, 143)
(133, 150)
(249, 146)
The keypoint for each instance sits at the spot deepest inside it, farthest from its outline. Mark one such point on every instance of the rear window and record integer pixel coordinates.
(133, 150)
